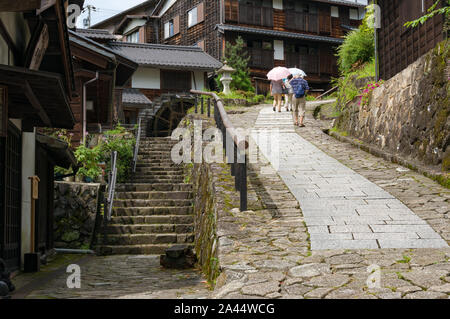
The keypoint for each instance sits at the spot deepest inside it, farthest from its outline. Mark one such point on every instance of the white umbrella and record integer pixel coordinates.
(295, 71)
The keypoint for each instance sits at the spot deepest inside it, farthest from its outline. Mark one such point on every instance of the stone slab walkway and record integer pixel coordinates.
(342, 209)
(118, 277)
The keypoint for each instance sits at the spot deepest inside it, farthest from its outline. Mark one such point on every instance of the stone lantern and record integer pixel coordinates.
(226, 78)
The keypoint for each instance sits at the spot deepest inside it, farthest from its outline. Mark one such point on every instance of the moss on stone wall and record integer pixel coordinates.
(409, 114)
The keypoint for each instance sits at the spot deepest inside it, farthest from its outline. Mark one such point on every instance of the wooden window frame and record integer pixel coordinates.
(200, 15)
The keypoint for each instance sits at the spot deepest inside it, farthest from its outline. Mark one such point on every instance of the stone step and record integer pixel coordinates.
(154, 195)
(160, 187)
(152, 203)
(152, 219)
(160, 174)
(148, 211)
(156, 170)
(147, 160)
(146, 239)
(135, 249)
(151, 229)
(157, 180)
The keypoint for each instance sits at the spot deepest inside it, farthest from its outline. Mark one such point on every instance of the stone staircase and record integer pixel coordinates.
(155, 210)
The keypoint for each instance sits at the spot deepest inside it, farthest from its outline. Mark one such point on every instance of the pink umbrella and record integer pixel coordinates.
(278, 73)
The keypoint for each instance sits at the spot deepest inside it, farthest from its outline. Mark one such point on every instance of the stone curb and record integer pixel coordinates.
(439, 177)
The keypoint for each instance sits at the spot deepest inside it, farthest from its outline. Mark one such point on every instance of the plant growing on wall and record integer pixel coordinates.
(364, 99)
(123, 142)
(237, 57)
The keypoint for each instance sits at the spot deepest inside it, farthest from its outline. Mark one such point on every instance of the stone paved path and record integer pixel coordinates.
(342, 209)
(123, 277)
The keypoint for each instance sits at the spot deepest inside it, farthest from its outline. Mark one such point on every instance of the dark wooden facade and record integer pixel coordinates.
(400, 46)
(325, 19)
(37, 79)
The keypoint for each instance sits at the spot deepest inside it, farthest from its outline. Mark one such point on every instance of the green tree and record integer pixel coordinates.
(237, 57)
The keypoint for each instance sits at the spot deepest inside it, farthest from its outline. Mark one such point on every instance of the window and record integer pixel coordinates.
(133, 37)
(192, 17)
(335, 12)
(195, 15)
(354, 14)
(169, 29)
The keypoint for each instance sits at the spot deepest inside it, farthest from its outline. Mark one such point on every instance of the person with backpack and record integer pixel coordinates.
(301, 88)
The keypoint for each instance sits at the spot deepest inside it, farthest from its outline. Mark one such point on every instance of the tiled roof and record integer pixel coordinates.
(96, 34)
(279, 34)
(167, 56)
(135, 97)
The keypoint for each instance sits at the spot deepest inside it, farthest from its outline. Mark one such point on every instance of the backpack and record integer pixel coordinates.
(299, 91)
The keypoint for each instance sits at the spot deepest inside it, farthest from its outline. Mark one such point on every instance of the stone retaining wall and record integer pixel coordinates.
(75, 208)
(409, 114)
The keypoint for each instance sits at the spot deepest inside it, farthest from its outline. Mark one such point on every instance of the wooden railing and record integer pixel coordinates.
(300, 21)
(235, 145)
(260, 58)
(306, 62)
(255, 15)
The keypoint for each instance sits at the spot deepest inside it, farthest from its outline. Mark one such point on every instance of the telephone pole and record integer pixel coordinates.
(87, 21)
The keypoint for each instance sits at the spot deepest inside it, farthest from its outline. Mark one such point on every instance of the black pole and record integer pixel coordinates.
(243, 186)
(209, 107)
(201, 108)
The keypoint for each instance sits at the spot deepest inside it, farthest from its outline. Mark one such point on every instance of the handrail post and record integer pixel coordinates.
(209, 107)
(196, 105)
(243, 186)
(202, 104)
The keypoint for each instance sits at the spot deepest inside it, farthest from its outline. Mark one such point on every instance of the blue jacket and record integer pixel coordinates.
(295, 83)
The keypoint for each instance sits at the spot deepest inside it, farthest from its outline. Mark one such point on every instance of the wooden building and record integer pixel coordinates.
(100, 70)
(36, 86)
(400, 46)
(287, 33)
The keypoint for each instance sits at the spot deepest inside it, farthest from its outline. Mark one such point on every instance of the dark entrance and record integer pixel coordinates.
(10, 185)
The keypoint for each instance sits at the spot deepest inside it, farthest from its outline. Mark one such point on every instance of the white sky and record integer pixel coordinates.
(106, 9)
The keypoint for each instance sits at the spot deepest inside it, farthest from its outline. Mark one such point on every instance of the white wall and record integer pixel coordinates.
(146, 78)
(133, 24)
(199, 83)
(28, 170)
(278, 46)
(278, 4)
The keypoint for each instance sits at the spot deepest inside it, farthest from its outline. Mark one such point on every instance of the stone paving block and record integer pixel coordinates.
(350, 229)
(385, 236)
(335, 236)
(400, 228)
(413, 243)
(318, 230)
(343, 244)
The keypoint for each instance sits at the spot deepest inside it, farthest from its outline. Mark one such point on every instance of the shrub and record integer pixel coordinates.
(358, 48)
(121, 141)
(89, 159)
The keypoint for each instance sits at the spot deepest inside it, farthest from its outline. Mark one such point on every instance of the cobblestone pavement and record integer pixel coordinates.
(266, 253)
(125, 277)
(342, 209)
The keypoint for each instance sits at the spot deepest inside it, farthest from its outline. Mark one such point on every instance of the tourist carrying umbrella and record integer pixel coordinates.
(276, 76)
(301, 88)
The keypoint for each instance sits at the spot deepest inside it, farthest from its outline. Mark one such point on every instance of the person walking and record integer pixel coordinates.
(276, 90)
(301, 88)
(289, 93)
